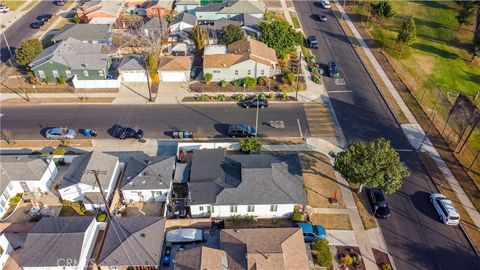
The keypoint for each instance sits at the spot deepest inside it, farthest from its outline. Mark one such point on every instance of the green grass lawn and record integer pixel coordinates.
(440, 50)
(13, 5)
(295, 21)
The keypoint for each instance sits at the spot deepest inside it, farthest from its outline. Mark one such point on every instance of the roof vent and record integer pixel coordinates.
(18, 158)
(143, 182)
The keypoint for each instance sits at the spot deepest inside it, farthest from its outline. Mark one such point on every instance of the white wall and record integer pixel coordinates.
(180, 27)
(146, 194)
(195, 146)
(7, 250)
(96, 83)
(260, 211)
(88, 245)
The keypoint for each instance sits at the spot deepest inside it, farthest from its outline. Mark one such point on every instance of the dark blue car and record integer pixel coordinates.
(312, 232)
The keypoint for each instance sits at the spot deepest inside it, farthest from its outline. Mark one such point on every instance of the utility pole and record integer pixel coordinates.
(299, 66)
(256, 119)
(96, 173)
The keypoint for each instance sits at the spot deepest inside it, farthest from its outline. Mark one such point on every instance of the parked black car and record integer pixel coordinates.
(379, 203)
(333, 69)
(60, 2)
(44, 17)
(37, 25)
(254, 102)
(127, 132)
(312, 42)
(241, 131)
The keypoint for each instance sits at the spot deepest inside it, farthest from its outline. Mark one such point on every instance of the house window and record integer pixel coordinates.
(262, 72)
(216, 71)
(41, 73)
(236, 71)
(6, 194)
(68, 73)
(233, 209)
(2, 203)
(85, 73)
(139, 193)
(158, 192)
(273, 208)
(209, 209)
(249, 72)
(101, 73)
(251, 208)
(200, 208)
(55, 73)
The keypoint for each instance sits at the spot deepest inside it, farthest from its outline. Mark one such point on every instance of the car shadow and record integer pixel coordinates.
(421, 201)
(43, 131)
(222, 129)
(115, 130)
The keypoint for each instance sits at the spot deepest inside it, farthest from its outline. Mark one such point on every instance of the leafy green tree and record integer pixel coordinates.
(408, 32)
(280, 36)
(375, 164)
(323, 255)
(465, 16)
(476, 47)
(29, 49)
(250, 82)
(249, 145)
(172, 16)
(207, 77)
(231, 33)
(384, 9)
(199, 37)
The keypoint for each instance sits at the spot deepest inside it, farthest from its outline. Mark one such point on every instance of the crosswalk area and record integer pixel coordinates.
(320, 120)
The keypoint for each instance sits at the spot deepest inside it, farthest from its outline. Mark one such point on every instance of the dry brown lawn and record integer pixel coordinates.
(368, 220)
(332, 221)
(319, 180)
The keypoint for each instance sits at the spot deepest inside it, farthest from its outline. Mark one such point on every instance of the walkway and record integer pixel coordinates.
(413, 130)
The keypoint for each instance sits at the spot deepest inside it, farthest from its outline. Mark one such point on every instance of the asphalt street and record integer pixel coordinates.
(157, 121)
(20, 30)
(414, 236)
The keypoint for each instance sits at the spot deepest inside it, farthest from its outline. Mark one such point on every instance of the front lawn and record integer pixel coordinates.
(332, 221)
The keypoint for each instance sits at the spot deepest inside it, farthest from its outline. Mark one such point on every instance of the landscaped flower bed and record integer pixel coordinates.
(382, 260)
(349, 258)
(238, 97)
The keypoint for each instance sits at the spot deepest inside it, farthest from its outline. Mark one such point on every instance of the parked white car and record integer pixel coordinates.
(60, 134)
(4, 9)
(445, 209)
(325, 3)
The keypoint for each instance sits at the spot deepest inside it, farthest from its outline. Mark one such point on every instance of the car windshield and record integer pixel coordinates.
(453, 218)
(315, 230)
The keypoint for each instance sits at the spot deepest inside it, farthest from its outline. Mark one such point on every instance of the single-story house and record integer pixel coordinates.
(132, 69)
(261, 185)
(87, 33)
(260, 248)
(58, 243)
(155, 28)
(21, 174)
(148, 179)
(71, 58)
(100, 11)
(225, 10)
(149, 8)
(246, 57)
(187, 6)
(174, 68)
(80, 184)
(133, 243)
(183, 22)
(247, 22)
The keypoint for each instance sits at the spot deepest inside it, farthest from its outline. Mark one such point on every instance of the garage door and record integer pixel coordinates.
(134, 77)
(173, 77)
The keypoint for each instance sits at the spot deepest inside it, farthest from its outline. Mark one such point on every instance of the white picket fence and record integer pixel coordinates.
(96, 83)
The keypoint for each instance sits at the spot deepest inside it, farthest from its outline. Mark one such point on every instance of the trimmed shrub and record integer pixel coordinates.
(61, 80)
(207, 77)
(322, 253)
(387, 266)
(317, 79)
(262, 96)
(282, 96)
(239, 97)
(222, 97)
(237, 82)
(346, 260)
(101, 218)
(288, 78)
(59, 152)
(15, 199)
(285, 88)
(263, 80)
(296, 215)
(203, 97)
(271, 95)
(249, 145)
(250, 82)
(223, 83)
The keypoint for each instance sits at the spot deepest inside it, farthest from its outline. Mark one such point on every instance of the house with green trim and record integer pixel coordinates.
(71, 58)
(225, 10)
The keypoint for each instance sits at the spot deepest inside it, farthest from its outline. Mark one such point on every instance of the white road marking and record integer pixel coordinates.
(404, 150)
(340, 91)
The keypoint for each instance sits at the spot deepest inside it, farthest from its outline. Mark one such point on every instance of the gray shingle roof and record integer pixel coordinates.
(201, 258)
(250, 7)
(21, 168)
(90, 161)
(74, 54)
(132, 62)
(55, 238)
(84, 32)
(146, 174)
(211, 7)
(182, 172)
(186, 18)
(133, 241)
(245, 179)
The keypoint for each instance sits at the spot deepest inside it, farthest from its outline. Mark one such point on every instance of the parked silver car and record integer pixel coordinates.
(60, 133)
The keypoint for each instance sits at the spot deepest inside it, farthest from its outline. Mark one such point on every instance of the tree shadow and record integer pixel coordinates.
(434, 4)
(435, 50)
(424, 208)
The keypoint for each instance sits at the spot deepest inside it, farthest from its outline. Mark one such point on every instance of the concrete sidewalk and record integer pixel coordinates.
(413, 131)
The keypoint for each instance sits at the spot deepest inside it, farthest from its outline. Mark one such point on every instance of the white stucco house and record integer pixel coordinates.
(148, 179)
(79, 183)
(246, 57)
(260, 185)
(132, 69)
(21, 174)
(70, 242)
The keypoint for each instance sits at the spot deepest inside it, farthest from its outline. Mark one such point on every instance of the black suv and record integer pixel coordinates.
(44, 17)
(37, 25)
(379, 203)
(312, 42)
(254, 102)
(333, 69)
(241, 131)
